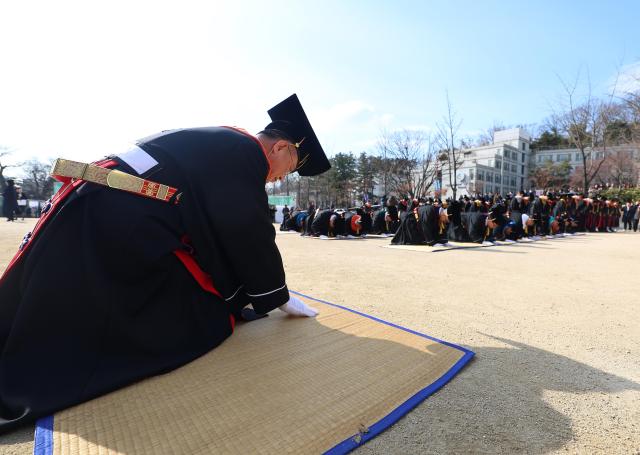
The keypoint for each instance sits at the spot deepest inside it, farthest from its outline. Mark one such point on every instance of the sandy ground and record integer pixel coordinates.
(555, 326)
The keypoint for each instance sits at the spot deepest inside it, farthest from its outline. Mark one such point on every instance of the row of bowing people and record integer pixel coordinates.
(486, 219)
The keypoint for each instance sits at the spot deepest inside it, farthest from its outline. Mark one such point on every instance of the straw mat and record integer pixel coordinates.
(279, 385)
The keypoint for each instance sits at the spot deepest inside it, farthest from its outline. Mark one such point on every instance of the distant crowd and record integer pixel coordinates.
(483, 219)
(16, 204)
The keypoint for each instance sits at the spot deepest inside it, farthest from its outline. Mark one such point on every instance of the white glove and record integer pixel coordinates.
(297, 307)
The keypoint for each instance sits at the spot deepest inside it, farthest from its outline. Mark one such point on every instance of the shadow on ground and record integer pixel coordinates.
(496, 405)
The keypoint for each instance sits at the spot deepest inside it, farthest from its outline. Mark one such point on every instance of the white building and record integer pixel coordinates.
(501, 167)
(574, 157)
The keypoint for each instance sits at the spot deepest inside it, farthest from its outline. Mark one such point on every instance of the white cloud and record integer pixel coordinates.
(628, 79)
(339, 115)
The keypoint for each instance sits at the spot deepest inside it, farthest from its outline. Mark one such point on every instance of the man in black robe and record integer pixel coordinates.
(499, 219)
(114, 286)
(535, 215)
(328, 223)
(296, 221)
(559, 214)
(409, 232)
(366, 220)
(10, 201)
(476, 221)
(456, 231)
(516, 209)
(432, 223)
(387, 220)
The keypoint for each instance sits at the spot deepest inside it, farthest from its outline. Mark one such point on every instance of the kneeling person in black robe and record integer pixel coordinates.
(409, 232)
(114, 286)
(327, 223)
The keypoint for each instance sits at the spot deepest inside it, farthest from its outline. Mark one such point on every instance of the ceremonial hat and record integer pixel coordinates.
(289, 118)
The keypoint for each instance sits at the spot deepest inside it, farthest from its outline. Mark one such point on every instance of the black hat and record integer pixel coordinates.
(289, 118)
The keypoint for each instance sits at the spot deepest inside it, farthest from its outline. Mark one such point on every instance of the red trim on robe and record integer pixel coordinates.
(203, 278)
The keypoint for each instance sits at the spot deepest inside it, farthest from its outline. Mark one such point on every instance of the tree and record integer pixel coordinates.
(549, 138)
(4, 153)
(408, 162)
(450, 156)
(550, 175)
(584, 123)
(366, 176)
(620, 170)
(631, 103)
(342, 178)
(38, 184)
(488, 136)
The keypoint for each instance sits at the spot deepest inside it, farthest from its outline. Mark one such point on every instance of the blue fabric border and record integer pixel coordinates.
(43, 444)
(357, 440)
(44, 427)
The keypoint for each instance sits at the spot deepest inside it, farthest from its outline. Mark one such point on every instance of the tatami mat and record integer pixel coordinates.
(278, 385)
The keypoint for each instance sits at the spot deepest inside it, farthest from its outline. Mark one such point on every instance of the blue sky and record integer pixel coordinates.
(80, 80)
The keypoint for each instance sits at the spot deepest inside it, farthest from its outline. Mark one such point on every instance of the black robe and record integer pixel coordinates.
(381, 225)
(409, 232)
(115, 287)
(560, 214)
(366, 220)
(456, 230)
(296, 221)
(581, 215)
(476, 220)
(428, 220)
(536, 209)
(9, 202)
(321, 226)
(516, 209)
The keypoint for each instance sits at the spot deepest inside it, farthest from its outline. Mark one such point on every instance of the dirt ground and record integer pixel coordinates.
(554, 325)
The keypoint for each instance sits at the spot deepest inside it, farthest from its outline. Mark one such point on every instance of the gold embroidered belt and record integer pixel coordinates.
(112, 178)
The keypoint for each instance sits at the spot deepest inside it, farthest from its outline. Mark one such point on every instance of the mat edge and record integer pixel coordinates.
(381, 425)
(43, 439)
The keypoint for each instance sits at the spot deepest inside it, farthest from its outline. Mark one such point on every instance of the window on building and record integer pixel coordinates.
(522, 169)
(498, 179)
(521, 182)
(549, 158)
(489, 177)
(505, 166)
(539, 159)
(470, 174)
(513, 182)
(489, 190)
(523, 145)
(480, 175)
(523, 157)
(497, 189)
(599, 155)
(498, 164)
(578, 157)
(514, 168)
